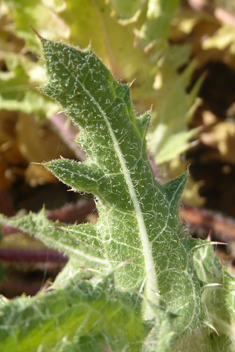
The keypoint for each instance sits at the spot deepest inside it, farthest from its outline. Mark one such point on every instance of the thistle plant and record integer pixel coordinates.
(134, 281)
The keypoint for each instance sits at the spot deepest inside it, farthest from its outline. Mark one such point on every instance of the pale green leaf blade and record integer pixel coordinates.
(91, 22)
(218, 296)
(40, 14)
(82, 244)
(77, 174)
(18, 83)
(156, 28)
(127, 11)
(27, 101)
(71, 318)
(169, 135)
(174, 145)
(138, 218)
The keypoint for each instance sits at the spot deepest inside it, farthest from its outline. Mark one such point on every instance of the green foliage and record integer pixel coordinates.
(14, 89)
(219, 288)
(127, 11)
(157, 26)
(22, 72)
(138, 239)
(134, 281)
(168, 133)
(93, 22)
(117, 172)
(39, 13)
(77, 317)
(121, 178)
(90, 23)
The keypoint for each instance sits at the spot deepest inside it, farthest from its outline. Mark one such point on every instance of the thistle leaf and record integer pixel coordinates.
(219, 292)
(50, 322)
(138, 217)
(138, 238)
(157, 26)
(168, 134)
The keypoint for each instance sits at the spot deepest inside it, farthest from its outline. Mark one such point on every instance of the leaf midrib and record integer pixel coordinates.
(151, 278)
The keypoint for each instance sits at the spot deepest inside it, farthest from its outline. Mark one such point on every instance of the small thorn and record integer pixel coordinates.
(37, 34)
(131, 83)
(58, 227)
(90, 44)
(86, 268)
(209, 236)
(222, 243)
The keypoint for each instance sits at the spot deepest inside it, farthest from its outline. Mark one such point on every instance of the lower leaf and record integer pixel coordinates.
(73, 318)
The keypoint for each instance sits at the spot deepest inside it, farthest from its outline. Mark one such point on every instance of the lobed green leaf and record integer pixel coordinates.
(138, 237)
(138, 217)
